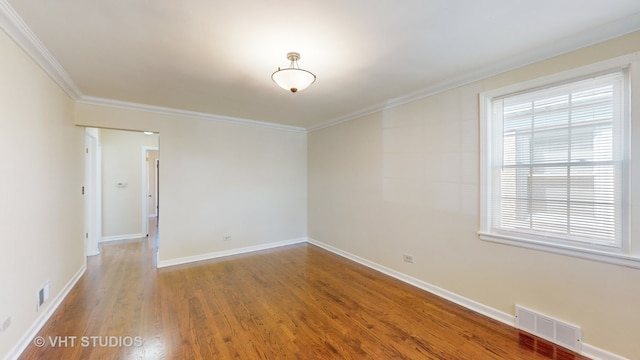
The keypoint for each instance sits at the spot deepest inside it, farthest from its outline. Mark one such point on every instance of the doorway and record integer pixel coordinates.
(121, 186)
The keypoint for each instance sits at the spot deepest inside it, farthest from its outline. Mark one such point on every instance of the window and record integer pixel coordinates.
(555, 164)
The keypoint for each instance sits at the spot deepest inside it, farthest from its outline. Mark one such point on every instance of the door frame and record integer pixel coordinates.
(92, 192)
(145, 186)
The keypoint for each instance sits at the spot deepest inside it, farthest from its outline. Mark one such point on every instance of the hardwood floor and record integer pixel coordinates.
(295, 302)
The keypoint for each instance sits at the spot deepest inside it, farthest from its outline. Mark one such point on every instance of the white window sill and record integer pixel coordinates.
(589, 254)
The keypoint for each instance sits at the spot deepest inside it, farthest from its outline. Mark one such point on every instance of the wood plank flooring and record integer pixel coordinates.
(295, 302)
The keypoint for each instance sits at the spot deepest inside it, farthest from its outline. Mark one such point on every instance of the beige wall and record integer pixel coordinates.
(122, 161)
(41, 206)
(406, 180)
(219, 178)
(371, 191)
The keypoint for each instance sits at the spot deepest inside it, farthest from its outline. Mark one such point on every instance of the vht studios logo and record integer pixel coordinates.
(88, 341)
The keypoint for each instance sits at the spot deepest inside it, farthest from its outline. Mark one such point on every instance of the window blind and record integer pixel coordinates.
(557, 162)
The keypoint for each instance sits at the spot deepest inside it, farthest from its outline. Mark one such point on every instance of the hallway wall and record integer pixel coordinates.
(122, 183)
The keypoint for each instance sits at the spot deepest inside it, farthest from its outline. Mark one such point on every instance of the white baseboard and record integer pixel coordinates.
(44, 316)
(599, 354)
(122, 237)
(460, 300)
(587, 350)
(218, 254)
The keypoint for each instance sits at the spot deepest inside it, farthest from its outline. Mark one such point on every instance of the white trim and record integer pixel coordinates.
(92, 193)
(44, 316)
(156, 180)
(122, 237)
(455, 298)
(223, 253)
(99, 188)
(627, 257)
(562, 46)
(579, 252)
(587, 350)
(145, 186)
(158, 248)
(367, 111)
(610, 64)
(599, 354)
(18, 30)
(89, 100)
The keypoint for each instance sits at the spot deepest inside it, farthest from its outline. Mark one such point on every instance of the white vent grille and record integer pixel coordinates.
(43, 295)
(548, 328)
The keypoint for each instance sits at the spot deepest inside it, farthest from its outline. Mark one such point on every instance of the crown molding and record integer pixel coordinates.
(89, 100)
(18, 30)
(559, 47)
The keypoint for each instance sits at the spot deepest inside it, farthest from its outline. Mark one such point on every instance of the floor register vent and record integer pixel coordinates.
(556, 331)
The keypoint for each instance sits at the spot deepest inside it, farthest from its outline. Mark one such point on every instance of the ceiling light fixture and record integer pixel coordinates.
(293, 78)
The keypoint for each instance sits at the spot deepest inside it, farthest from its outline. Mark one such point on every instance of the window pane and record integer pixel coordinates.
(558, 172)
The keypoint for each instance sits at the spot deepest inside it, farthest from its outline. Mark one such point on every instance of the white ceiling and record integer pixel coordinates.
(216, 57)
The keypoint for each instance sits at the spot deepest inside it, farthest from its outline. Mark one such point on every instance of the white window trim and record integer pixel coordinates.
(629, 255)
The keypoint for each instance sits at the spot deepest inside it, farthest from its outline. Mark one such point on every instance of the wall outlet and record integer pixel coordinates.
(5, 324)
(407, 258)
(226, 237)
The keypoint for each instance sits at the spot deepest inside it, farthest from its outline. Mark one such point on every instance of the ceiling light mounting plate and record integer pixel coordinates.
(293, 56)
